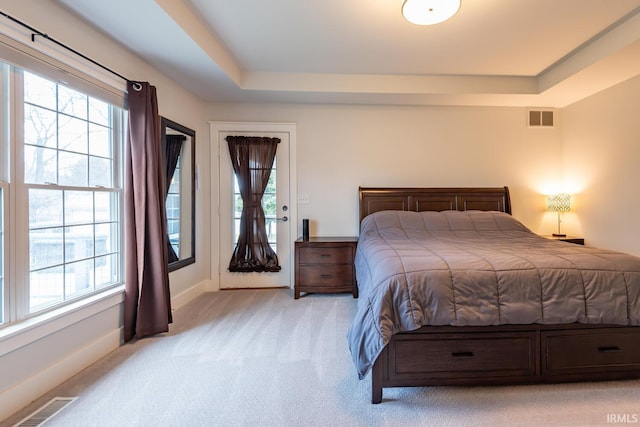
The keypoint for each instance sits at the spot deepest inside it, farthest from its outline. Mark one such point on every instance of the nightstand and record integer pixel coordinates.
(325, 265)
(569, 239)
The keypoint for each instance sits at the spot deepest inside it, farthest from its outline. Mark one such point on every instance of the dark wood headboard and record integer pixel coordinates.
(433, 199)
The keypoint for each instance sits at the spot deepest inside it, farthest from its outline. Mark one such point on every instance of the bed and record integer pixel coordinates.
(455, 291)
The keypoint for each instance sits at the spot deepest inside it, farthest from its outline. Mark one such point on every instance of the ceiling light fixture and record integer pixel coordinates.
(429, 12)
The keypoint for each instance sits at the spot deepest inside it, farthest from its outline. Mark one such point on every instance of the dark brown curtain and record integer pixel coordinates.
(172, 149)
(252, 159)
(147, 305)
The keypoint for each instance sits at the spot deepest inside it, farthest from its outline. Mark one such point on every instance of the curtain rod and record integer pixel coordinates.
(35, 32)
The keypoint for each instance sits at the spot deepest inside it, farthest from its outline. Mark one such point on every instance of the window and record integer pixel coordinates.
(2, 237)
(67, 204)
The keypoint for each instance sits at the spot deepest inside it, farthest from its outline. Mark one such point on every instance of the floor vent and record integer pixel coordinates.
(46, 412)
(541, 118)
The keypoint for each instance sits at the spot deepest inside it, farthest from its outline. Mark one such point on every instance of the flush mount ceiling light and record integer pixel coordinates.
(429, 12)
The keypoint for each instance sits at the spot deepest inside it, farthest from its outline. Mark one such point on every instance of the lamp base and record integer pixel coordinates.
(559, 235)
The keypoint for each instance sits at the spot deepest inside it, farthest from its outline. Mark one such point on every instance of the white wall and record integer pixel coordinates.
(34, 359)
(601, 163)
(340, 148)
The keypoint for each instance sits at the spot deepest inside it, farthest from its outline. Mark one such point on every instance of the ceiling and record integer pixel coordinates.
(544, 53)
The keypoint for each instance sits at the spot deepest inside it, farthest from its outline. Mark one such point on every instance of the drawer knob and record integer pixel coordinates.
(610, 349)
(462, 354)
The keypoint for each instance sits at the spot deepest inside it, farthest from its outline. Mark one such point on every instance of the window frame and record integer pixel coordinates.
(16, 262)
(6, 289)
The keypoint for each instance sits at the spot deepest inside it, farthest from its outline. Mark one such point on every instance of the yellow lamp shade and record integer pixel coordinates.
(559, 202)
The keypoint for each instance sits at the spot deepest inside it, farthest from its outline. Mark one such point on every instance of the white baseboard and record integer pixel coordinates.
(22, 394)
(211, 286)
(188, 295)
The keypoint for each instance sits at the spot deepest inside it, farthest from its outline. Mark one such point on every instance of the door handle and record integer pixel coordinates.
(284, 219)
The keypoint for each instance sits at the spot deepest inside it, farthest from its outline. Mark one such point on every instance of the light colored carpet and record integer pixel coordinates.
(261, 358)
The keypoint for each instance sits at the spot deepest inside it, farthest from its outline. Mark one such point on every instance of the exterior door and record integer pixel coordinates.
(280, 214)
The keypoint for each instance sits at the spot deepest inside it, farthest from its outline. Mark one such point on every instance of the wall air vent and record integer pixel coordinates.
(541, 118)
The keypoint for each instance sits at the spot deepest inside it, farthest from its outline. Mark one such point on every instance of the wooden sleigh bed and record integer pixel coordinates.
(494, 354)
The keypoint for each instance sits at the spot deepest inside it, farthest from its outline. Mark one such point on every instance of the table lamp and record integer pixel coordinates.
(559, 203)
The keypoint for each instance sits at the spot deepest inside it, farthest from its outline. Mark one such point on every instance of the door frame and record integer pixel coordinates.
(215, 128)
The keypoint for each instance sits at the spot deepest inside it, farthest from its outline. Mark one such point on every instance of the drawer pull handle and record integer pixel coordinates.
(325, 255)
(326, 276)
(610, 349)
(462, 354)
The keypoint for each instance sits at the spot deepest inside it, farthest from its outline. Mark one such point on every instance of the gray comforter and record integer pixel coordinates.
(479, 268)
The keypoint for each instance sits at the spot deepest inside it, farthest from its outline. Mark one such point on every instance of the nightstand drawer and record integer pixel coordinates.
(326, 275)
(326, 255)
(592, 352)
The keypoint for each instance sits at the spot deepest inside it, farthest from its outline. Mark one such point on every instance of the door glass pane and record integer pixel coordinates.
(269, 205)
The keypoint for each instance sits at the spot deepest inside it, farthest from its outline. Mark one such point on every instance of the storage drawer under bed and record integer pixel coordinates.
(463, 355)
(566, 352)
